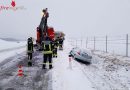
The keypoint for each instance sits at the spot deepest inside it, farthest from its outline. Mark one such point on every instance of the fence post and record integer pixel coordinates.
(106, 43)
(81, 42)
(127, 45)
(87, 43)
(72, 42)
(76, 42)
(94, 42)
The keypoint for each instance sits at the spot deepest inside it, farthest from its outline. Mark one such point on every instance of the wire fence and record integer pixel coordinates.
(112, 44)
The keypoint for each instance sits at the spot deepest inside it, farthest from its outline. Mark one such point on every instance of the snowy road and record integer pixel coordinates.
(34, 77)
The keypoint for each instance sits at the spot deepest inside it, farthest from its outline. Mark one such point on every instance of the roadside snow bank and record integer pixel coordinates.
(7, 46)
(8, 49)
(65, 77)
(8, 54)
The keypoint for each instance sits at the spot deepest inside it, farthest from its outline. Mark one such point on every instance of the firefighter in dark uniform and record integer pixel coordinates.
(55, 45)
(57, 42)
(60, 43)
(29, 50)
(53, 48)
(47, 52)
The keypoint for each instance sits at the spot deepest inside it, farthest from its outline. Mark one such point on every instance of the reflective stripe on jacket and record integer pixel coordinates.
(30, 51)
(47, 51)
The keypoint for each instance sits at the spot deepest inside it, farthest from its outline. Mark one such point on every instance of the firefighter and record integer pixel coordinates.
(53, 48)
(29, 50)
(60, 43)
(55, 45)
(57, 42)
(47, 52)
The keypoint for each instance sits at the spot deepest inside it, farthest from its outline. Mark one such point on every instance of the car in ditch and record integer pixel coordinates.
(81, 55)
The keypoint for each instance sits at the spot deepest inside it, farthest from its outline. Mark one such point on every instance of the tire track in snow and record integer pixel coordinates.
(30, 79)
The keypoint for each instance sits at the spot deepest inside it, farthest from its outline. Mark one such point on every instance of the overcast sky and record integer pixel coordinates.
(74, 17)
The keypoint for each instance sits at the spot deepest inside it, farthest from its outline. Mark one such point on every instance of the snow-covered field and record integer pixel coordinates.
(8, 48)
(7, 45)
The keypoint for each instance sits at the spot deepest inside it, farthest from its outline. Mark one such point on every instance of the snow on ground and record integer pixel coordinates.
(67, 78)
(8, 54)
(34, 78)
(115, 69)
(8, 49)
(5, 45)
(107, 72)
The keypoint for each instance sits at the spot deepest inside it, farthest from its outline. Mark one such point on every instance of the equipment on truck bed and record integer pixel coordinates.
(44, 30)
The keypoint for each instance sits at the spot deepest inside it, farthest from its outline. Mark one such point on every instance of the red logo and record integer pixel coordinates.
(13, 3)
(12, 6)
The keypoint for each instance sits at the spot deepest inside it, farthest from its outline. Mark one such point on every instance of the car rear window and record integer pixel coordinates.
(84, 55)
